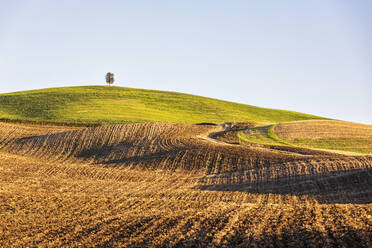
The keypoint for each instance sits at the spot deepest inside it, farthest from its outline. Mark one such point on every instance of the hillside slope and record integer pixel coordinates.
(327, 134)
(102, 104)
(181, 148)
(332, 135)
(168, 185)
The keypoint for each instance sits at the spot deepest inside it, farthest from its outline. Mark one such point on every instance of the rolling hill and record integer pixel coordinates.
(90, 105)
(337, 136)
(175, 185)
(164, 171)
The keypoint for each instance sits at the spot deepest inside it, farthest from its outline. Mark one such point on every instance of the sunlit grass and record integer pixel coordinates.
(331, 137)
(360, 146)
(327, 134)
(262, 135)
(101, 104)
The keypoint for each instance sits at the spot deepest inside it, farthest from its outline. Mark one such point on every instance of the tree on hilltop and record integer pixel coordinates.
(110, 78)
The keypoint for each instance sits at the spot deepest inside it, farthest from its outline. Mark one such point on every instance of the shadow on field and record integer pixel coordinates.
(206, 124)
(353, 186)
(289, 237)
(293, 235)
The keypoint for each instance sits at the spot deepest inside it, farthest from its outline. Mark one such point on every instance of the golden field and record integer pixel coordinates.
(176, 185)
(327, 134)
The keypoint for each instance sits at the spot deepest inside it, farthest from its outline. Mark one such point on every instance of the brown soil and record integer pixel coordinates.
(159, 185)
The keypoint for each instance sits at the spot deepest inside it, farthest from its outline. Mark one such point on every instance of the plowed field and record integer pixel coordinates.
(160, 185)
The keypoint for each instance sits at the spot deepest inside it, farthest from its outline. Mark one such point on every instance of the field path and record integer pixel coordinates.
(220, 128)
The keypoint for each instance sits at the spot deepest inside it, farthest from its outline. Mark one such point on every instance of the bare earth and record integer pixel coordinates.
(169, 185)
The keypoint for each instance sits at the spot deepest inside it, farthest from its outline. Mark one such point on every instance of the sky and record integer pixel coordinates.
(307, 56)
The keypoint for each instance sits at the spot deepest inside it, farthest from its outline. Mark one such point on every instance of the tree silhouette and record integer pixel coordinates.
(110, 78)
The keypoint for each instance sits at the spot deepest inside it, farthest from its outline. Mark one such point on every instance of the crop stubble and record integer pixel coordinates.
(163, 185)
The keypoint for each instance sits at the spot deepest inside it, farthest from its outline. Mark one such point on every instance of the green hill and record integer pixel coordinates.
(89, 105)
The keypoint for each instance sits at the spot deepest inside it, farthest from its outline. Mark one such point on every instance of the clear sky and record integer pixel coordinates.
(307, 56)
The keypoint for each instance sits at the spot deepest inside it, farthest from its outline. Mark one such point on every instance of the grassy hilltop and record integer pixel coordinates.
(96, 105)
(89, 105)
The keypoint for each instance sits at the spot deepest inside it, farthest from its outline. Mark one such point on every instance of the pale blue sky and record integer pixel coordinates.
(307, 56)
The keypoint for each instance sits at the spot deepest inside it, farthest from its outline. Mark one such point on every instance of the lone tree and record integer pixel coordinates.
(110, 78)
